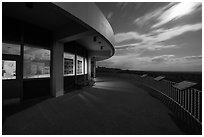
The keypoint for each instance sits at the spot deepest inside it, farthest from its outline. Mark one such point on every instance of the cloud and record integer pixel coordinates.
(193, 57)
(120, 37)
(127, 46)
(158, 35)
(170, 12)
(176, 31)
(143, 20)
(160, 47)
(175, 12)
(141, 47)
(155, 40)
(162, 59)
(172, 59)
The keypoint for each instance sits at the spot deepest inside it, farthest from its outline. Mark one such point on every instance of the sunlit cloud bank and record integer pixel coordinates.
(170, 12)
(156, 36)
(154, 43)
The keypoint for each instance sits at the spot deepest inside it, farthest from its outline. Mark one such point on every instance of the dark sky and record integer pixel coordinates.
(155, 36)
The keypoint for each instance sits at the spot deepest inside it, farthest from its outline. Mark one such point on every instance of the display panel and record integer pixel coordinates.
(8, 69)
(69, 66)
(79, 70)
(80, 66)
(36, 62)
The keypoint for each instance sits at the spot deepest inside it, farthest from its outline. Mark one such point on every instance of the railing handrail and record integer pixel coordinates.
(189, 99)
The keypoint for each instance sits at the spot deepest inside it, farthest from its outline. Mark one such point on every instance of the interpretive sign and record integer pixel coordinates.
(159, 78)
(184, 85)
(8, 69)
(144, 75)
(68, 66)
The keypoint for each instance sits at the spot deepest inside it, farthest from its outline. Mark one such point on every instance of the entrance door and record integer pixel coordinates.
(11, 79)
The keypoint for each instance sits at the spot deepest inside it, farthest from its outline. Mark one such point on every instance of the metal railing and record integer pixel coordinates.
(189, 99)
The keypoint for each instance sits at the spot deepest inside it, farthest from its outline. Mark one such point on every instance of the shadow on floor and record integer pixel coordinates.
(11, 109)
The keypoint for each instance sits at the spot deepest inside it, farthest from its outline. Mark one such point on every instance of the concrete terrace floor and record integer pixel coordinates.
(113, 106)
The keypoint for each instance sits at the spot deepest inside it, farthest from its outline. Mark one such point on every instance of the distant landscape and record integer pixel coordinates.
(171, 76)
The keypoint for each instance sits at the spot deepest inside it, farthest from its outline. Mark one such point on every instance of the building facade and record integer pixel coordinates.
(50, 48)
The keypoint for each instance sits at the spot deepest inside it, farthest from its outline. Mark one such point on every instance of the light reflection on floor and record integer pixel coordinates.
(93, 97)
(112, 85)
(86, 100)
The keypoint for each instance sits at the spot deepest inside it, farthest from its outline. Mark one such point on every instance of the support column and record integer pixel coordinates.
(89, 67)
(76, 65)
(57, 78)
(94, 69)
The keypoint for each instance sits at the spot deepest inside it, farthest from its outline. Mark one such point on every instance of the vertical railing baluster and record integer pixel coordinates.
(181, 93)
(178, 96)
(189, 100)
(184, 99)
(173, 95)
(169, 88)
(192, 106)
(194, 102)
(198, 105)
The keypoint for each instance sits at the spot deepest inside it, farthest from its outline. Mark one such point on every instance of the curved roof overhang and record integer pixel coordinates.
(68, 21)
(99, 41)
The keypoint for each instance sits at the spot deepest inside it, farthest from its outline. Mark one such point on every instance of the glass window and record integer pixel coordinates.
(69, 64)
(80, 65)
(12, 49)
(86, 70)
(36, 62)
(8, 69)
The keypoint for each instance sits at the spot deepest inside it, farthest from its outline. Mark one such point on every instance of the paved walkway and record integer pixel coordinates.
(112, 106)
